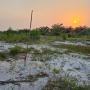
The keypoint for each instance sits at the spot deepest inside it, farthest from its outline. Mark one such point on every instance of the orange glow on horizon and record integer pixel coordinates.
(74, 19)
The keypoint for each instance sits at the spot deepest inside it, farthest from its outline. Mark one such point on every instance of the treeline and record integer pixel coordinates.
(55, 30)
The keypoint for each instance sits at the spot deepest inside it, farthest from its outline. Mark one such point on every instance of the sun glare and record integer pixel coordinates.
(75, 21)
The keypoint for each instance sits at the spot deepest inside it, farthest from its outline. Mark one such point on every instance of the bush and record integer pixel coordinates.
(17, 49)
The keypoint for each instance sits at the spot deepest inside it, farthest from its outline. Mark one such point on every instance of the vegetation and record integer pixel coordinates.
(46, 35)
(56, 71)
(2, 56)
(63, 84)
(63, 32)
(41, 55)
(15, 50)
(34, 35)
(76, 48)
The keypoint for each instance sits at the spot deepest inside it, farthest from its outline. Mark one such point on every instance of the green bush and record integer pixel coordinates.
(17, 49)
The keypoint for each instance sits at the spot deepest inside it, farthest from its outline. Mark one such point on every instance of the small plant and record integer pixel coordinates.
(64, 37)
(2, 56)
(55, 71)
(62, 84)
(17, 49)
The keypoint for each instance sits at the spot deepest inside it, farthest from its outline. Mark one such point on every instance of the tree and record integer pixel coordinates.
(44, 30)
(57, 29)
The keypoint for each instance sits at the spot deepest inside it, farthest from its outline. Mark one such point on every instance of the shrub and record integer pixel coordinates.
(17, 49)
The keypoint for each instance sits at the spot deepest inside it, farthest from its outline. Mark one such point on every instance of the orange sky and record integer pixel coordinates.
(16, 13)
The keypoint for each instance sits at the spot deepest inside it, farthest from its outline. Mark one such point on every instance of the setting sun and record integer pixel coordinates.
(75, 21)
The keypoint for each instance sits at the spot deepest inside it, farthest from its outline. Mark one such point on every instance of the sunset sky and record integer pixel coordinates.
(16, 13)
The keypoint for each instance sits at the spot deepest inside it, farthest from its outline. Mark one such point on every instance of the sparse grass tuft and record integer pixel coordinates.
(62, 84)
(56, 71)
(16, 50)
(2, 56)
(76, 48)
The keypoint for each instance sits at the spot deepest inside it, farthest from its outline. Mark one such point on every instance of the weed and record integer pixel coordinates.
(17, 49)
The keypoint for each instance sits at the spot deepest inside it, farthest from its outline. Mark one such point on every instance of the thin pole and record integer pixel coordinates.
(27, 35)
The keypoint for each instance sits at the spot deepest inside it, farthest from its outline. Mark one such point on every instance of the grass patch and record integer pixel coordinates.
(62, 84)
(16, 50)
(56, 71)
(44, 54)
(76, 48)
(34, 50)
